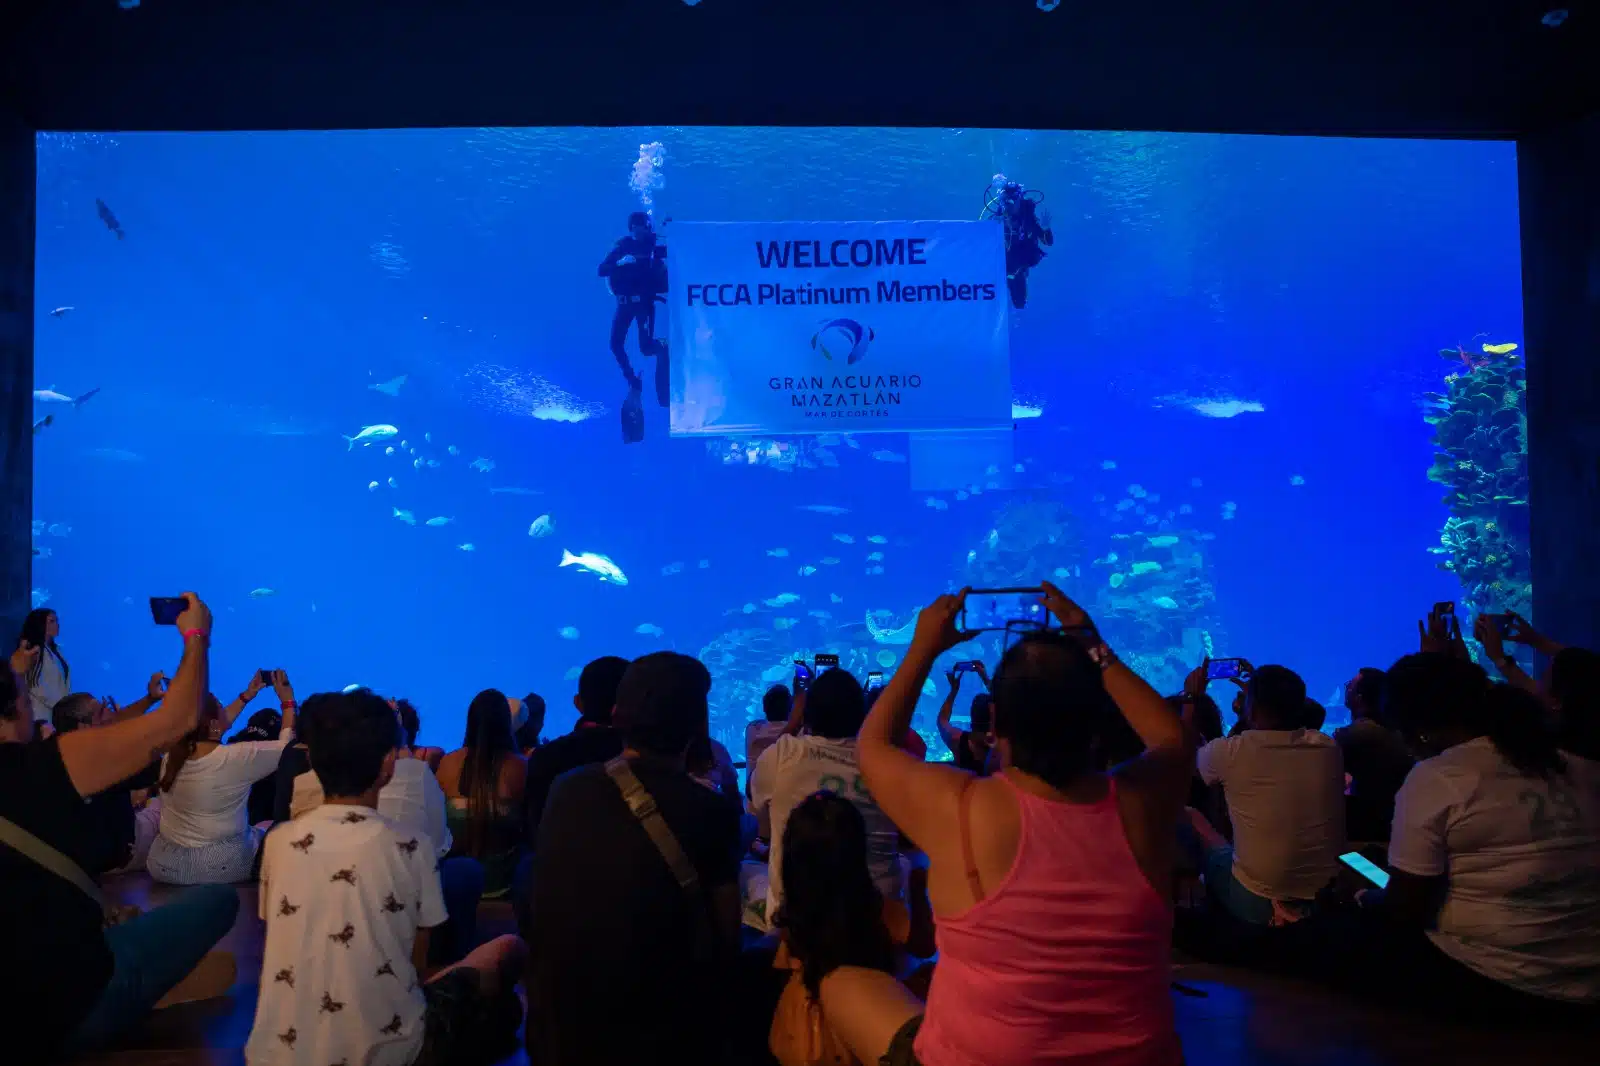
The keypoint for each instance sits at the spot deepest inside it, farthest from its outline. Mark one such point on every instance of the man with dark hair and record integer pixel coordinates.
(124, 825)
(759, 736)
(968, 747)
(594, 739)
(1285, 790)
(348, 898)
(528, 737)
(823, 760)
(626, 957)
(1376, 758)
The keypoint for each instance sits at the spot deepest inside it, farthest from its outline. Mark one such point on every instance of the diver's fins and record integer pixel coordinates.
(663, 377)
(632, 418)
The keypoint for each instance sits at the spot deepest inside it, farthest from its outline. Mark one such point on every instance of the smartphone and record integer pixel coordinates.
(1366, 868)
(266, 677)
(166, 683)
(999, 609)
(824, 661)
(166, 609)
(1444, 607)
(966, 666)
(1502, 622)
(874, 680)
(802, 676)
(1224, 669)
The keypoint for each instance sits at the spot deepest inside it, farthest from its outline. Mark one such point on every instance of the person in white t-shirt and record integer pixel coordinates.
(823, 760)
(1285, 790)
(1493, 899)
(348, 898)
(759, 736)
(205, 836)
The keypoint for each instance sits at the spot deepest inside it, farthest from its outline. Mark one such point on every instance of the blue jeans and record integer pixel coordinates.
(461, 884)
(150, 955)
(1223, 888)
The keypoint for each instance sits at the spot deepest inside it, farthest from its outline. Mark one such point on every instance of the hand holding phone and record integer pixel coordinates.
(165, 610)
(802, 676)
(1366, 868)
(986, 610)
(1225, 669)
(874, 680)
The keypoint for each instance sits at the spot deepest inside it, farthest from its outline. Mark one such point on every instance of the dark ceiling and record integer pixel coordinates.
(1380, 67)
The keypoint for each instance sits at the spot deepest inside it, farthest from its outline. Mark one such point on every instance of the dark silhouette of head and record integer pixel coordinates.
(73, 712)
(597, 689)
(835, 705)
(775, 704)
(353, 741)
(1050, 708)
(1363, 694)
(1275, 698)
(638, 224)
(410, 720)
(533, 724)
(1438, 701)
(982, 714)
(1314, 715)
(832, 914)
(662, 703)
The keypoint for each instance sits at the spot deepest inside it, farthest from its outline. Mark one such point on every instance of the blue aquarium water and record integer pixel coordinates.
(1228, 385)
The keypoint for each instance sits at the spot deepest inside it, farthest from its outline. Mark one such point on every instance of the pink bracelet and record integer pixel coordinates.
(187, 633)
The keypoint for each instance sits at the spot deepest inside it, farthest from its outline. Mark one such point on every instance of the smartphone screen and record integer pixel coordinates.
(1223, 669)
(802, 676)
(874, 680)
(824, 661)
(166, 609)
(999, 609)
(965, 666)
(1366, 868)
(266, 676)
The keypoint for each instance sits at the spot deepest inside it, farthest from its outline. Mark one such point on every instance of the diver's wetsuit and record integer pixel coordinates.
(636, 286)
(1024, 234)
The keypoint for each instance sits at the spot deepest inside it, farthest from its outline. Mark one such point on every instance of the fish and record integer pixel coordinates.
(883, 455)
(568, 632)
(434, 463)
(1109, 464)
(961, 494)
(1166, 603)
(648, 629)
(58, 312)
(874, 557)
(1226, 408)
(851, 441)
(482, 465)
(58, 530)
(1136, 491)
(389, 450)
(844, 538)
(928, 688)
(671, 568)
(468, 547)
(807, 571)
(427, 438)
(748, 608)
(453, 450)
(705, 564)
(784, 623)
(874, 570)
(372, 486)
(778, 553)
(1296, 479)
(834, 597)
(43, 423)
(937, 504)
(108, 218)
(1019, 469)
(50, 395)
(393, 484)
(1491, 349)
(513, 490)
(262, 593)
(993, 540)
(1126, 505)
(542, 526)
(824, 508)
(830, 560)
(1165, 541)
(877, 538)
(405, 444)
(369, 434)
(782, 599)
(596, 564)
(438, 520)
(390, 387)
(405, 516)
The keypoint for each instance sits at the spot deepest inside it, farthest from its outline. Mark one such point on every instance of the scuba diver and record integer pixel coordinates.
(1027, 226)
(636, 270)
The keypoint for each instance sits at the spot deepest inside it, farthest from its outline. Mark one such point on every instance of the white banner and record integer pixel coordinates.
(828, 327)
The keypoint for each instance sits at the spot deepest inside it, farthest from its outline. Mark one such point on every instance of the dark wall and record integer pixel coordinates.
(1559, 172)
(16, 371)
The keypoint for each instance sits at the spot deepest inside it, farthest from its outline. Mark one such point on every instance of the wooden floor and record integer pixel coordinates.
(1243, 1019)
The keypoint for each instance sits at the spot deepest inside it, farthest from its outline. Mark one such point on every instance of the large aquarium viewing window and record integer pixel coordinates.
(1238, 396)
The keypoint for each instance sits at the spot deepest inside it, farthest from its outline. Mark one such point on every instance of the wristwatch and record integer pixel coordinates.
(1102, 655)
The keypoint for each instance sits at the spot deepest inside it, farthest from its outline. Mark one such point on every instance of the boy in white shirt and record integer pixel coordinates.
(348, 900)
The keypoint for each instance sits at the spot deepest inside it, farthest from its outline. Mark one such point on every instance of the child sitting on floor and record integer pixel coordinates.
(348, 900)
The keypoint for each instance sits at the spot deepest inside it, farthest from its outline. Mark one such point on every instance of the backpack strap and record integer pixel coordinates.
(19, 839)
(643, 806)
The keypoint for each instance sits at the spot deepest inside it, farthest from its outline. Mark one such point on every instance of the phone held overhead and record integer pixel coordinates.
(989, 610)
(1227, 670)
(166, 609)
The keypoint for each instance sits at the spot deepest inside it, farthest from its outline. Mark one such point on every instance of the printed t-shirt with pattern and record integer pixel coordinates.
(343, 893)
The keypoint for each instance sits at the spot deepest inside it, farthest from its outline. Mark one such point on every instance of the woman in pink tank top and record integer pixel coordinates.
(1049, 880)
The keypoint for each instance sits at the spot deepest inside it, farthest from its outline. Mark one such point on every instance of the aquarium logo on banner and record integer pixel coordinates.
(826, 327)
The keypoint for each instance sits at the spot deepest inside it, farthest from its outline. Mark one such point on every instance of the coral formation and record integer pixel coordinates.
(1481, 437)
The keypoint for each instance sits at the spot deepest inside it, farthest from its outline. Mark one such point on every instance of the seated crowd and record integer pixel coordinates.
(855, 903)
